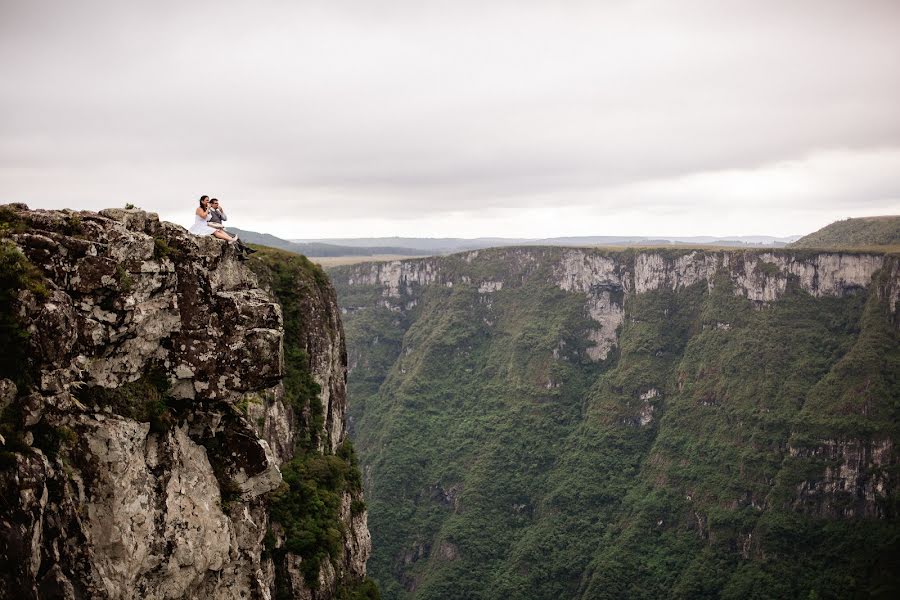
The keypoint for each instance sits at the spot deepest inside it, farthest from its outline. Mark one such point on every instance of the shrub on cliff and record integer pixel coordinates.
(361, 590)
(308, 505)
(145, 400)
(293, 279)
(16, 273)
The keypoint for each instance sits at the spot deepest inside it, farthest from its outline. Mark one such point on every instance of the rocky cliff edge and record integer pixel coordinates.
(144, 420)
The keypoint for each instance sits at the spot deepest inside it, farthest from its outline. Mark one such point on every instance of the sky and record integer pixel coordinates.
(526, 118)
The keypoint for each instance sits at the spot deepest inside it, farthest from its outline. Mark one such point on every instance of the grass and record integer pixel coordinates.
(10, 222)
(124, 278)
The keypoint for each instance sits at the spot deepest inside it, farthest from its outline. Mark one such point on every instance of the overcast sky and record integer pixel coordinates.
(526, 118)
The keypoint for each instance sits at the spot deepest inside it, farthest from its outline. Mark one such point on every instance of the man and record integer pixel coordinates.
(216, 212)
(216, 216)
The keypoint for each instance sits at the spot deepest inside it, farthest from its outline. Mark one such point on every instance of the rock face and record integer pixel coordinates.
(608, 279)
(856, 474)
(144, 433)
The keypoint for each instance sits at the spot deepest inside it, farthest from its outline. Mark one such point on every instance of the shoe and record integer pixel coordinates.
(249, 250)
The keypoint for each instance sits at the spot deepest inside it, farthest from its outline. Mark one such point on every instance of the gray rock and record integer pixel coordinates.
(148, 504)
(8, 391)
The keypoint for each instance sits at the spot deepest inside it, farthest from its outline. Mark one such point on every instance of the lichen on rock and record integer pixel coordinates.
(132, 465)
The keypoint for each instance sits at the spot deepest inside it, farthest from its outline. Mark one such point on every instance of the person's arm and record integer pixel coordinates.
(215, 218)
(222, 214)
(200, 212)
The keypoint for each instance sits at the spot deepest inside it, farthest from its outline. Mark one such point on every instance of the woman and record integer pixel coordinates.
(200, 227)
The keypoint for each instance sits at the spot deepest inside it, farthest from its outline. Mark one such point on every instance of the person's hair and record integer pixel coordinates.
(213, 200)
(202, 198)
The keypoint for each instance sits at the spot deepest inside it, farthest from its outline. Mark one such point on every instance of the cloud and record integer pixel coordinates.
(412, 112)
(784, 198)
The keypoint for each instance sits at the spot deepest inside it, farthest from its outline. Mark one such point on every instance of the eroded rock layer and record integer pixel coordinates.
(145, 420)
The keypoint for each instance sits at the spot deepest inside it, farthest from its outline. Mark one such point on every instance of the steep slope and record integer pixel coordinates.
(560, 423)
(160, 417)
(854, 233)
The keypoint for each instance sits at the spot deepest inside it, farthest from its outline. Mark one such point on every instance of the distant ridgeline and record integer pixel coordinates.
(569, 423)
(855, 233)
(318, 249)
(385, 248)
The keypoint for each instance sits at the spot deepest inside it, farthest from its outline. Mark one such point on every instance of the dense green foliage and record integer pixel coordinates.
(307, 506)
(854, 233)
(692, 463)
(294, 279)
(362, 590)
(16, 273)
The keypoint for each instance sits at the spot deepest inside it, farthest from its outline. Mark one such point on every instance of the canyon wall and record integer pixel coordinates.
(146, 422)
(597, 423)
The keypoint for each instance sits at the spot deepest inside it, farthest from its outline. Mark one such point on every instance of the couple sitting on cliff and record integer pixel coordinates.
(208, 221)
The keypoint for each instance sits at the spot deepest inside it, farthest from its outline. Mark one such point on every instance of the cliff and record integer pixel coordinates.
(642, 423)
(157, 418)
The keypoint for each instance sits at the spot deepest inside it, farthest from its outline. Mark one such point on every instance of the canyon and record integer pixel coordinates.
(545, 422)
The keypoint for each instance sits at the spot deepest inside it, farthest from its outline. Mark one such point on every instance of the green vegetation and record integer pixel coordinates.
(16, 273)
(243, 406)
(318, 249)
(362, 590)
(505, 463)
(294, 280)
(10, 222)
(855, 233)
(308, 504)
(147, 400)
(126, 281)
(73, 226)
(162, 249)
(53, 440)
